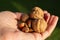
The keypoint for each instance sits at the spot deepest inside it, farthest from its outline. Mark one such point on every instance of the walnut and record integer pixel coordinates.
(37, 13)
(24, 17)
(39, 25)
(25, 29)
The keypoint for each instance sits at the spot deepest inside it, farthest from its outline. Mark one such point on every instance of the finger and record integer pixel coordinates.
(53, 24)
(45, 11)
(51, 18)
(18, 14)
(50, 28)
(49, 22)
(46, 16)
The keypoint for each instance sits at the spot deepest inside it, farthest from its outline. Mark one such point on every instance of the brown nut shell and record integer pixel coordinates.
(24, 17)
(43, 25)
(21, 25)
(31, 30)
(39, 25)
(25, 29)
(37, 13)
(29, 23)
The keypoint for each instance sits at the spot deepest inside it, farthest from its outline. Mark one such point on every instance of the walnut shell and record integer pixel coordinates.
(37, 13)
(24, 17)
(39, 25)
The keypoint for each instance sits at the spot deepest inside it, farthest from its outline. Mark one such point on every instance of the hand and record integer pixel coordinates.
(52, 22)
(18, 35)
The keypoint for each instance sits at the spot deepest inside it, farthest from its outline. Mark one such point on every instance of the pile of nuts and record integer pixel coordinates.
(34, 22)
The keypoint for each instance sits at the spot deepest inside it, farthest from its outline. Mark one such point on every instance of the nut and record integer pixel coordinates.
(24, 17)
(25, 29)
(21, 25)
(37, 13)
(29, 23)
(43, 25)
(39, 25)
(36, 25)
(31, 30)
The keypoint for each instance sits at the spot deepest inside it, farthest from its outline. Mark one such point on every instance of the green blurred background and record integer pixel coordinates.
(25, 6)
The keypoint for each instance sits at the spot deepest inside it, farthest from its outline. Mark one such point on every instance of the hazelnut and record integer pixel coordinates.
(24, 17)
(21, 25)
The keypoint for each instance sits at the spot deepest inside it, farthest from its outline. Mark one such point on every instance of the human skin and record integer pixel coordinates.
(9, 30)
